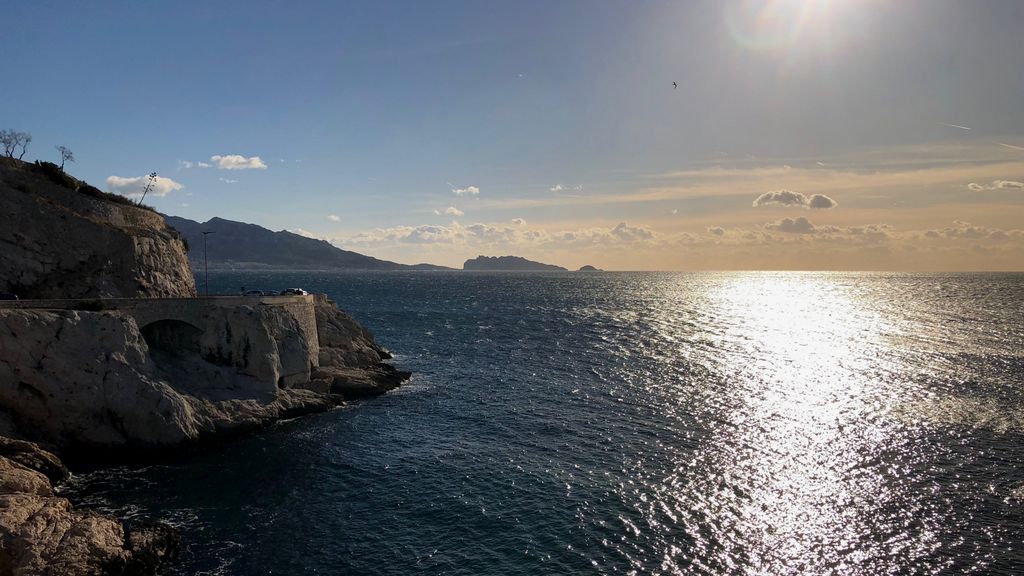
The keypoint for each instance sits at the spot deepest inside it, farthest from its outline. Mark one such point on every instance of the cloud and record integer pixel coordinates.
(631, 233)
(467, 191)
(800, 225)
(186, 164)
(238, 162)
(557, 188)
(997, 185)
(790, 198)
(821, 202)
(228, 180)
(516, 236)
(716, 230)
(304, 233)
(334, 218)
(453, 211)
(961, 230)
(134, 186)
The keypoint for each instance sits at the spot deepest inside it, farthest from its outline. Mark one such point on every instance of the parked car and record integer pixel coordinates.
(8, 296)
(254, 293)
(294, 292)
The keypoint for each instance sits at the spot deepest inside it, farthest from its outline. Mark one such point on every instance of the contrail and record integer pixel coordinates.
(955, 126)
(1010, 146)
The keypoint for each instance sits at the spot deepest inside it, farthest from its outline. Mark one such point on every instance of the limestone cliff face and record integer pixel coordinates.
(96, 379)
(60, 238)
(77, 379)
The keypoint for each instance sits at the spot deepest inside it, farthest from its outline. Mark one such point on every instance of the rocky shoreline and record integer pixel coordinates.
(110, 356)
(90, 386)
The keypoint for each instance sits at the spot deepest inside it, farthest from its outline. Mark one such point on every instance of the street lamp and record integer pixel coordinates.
(206, 266)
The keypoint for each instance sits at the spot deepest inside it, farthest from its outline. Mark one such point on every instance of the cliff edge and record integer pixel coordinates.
(107, 352)
(63, 238)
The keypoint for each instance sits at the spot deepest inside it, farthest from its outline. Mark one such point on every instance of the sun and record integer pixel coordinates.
(774, 24)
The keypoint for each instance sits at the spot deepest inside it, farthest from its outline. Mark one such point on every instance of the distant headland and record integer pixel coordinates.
(507, 264)
(243, 246)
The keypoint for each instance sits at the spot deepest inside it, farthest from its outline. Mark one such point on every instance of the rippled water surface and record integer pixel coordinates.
(728, 423)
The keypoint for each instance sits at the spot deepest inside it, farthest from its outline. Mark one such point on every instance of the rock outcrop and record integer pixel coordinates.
(42, 534)
(508, 264)
(64, 239)
(94, 379)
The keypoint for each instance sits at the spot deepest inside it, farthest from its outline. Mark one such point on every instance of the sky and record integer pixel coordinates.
(655, 135)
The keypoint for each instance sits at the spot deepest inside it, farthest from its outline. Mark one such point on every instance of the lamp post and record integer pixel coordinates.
(206, 266)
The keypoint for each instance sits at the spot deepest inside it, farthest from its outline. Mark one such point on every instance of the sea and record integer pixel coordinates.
(628, 423)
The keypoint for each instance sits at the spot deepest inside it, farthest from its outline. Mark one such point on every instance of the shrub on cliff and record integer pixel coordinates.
(56, 175)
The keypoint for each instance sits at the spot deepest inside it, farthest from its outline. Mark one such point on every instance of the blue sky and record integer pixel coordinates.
(561, 114)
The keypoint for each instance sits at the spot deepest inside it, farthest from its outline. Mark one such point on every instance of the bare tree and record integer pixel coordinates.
(7, 140)
(11, 140)
(65, 155)
(151, 179)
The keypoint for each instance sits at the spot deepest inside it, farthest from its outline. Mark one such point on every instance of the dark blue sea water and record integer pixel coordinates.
(631, 423)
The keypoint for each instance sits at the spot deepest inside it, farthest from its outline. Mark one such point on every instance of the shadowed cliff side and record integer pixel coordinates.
(62, 238)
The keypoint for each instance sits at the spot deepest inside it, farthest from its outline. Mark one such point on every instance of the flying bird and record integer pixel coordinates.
(674, 85)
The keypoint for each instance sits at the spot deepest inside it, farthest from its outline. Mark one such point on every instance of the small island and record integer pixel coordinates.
(589, 268)
(508, 264)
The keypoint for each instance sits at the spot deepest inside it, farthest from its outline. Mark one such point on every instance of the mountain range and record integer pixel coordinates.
(238, 245)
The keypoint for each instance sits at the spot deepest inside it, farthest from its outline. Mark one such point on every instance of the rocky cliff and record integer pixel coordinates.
(77, 379)
(90, 378)
(41, 533)
(62, 238)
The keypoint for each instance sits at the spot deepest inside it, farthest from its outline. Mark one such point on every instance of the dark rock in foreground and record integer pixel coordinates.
(41, 533)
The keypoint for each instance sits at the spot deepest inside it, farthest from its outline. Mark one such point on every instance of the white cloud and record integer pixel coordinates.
(997, 185)
(238, 162)
(186, 164)
(453, 211)
(305, 233)
(467, 191)
(334, 218)
(519, 222)
(134, 186)
(559, 188)
(228, 180)
(717, 230)
(790, 198)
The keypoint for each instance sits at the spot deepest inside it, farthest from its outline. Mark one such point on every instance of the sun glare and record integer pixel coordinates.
(774, 24)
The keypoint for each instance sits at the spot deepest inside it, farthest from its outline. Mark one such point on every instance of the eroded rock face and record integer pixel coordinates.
(41, 533)
(89, 379)
(343, 341)
(57, 242)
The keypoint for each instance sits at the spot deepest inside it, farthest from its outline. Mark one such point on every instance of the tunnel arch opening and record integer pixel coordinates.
(172, 336)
